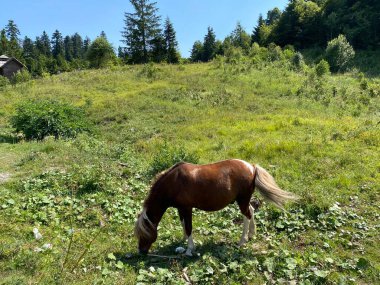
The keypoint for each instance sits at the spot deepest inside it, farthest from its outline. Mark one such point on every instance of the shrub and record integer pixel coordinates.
(339, 53)
(168, 156)
(38, 119)
(274, 52)
(298, 61)
(3, 81)
(322, 68)
(21, 76)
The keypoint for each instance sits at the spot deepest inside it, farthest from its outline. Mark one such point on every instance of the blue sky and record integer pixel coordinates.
(89, 17)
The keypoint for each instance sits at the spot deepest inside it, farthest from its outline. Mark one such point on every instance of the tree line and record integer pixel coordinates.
(303, 24)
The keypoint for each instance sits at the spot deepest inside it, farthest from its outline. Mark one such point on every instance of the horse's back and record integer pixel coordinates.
(211, 186)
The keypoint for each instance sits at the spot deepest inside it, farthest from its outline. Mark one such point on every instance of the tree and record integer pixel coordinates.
(103, 34)
(171, 42)
(29, 54)
(57, 44)
(196, 52)
(339, 53)
(69, 48)
(240, 38)
(256, 34)
(100, 53)
(13, 46)
(273, 16)
(141, 28)
(209, 45)
(86, 45)
(43, 44)
(158, 48)
(3, 42)
(77, 46)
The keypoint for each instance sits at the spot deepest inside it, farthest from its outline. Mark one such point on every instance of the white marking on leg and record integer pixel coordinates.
(190, 246)
(252, 224)
(248, 165)
(244, 236)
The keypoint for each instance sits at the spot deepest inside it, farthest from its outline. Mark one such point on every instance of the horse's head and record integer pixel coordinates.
(145, 232)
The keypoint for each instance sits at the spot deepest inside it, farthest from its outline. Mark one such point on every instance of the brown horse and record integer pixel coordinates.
(209, 187)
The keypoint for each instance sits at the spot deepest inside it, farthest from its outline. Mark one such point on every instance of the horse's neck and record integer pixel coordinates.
(155, 209)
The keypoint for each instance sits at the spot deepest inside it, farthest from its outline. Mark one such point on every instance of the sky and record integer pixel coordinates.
(89, 17)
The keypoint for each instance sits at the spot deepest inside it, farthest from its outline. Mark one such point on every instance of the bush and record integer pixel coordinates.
(3, 81)
(38, 119)
(339, 53)
(21, 76)
(322, 68)
(168, 156)
(298, 61)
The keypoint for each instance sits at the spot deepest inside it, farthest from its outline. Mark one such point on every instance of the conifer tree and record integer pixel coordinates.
(209, 45)
(43, 44)
(141, 27)
(69, 48)
(240, 38)
(77, 46)
(3, 42)
(171, 42)
(12, 32)
(57, 44)
(256, 30)
(86, 45)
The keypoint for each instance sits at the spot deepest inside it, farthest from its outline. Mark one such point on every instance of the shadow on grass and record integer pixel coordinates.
(164, 257)
(9, 138)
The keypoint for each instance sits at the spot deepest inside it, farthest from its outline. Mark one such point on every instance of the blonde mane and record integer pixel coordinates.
(143, 229)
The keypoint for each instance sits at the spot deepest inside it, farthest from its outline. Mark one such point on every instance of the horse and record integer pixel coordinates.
(208, 187)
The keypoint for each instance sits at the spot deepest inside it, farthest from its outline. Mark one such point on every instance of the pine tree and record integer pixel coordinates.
(12, 32)
(256, 30)
(100, 53)
(29, 54)
(77, 46)
(43, 44)
(57, 44)
(240, 38)
(69, 48)
(141, 27)
(209, 45)
(103, 34)
(86, 45)
(3, 42)
(158, 48)
(171, 42)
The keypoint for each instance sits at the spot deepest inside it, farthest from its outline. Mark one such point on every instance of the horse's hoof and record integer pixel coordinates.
(188, 253)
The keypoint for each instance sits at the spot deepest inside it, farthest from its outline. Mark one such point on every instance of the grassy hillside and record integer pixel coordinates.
(319, 137)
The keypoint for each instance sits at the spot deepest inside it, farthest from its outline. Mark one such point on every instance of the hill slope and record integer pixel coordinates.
(320, 138)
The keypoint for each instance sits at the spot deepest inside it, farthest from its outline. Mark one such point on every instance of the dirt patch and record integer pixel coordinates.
(4, 177)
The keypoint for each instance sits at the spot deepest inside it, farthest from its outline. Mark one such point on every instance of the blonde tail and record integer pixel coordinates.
(269, 189)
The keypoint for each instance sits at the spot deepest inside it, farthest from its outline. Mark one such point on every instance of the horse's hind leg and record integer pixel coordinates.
(247, 212)
(252, 224)
(185, 215)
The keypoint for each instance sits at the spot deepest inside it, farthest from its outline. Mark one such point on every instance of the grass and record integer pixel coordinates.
(318, 137)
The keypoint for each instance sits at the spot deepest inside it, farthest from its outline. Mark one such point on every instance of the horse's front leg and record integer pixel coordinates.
(185, 214)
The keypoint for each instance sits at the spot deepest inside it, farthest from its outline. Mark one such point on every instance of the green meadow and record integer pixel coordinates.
(318, 136)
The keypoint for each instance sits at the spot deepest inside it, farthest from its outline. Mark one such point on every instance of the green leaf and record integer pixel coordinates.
(321, 273)
(291, 263)
(119, 265)
(362, 263)
(111, 256)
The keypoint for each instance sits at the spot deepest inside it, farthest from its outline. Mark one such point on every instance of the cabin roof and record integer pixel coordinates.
(5, 60)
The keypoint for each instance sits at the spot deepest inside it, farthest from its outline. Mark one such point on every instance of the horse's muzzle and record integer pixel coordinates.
(143, 251)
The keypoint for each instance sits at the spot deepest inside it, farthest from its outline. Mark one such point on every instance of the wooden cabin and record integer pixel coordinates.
(9, 66)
